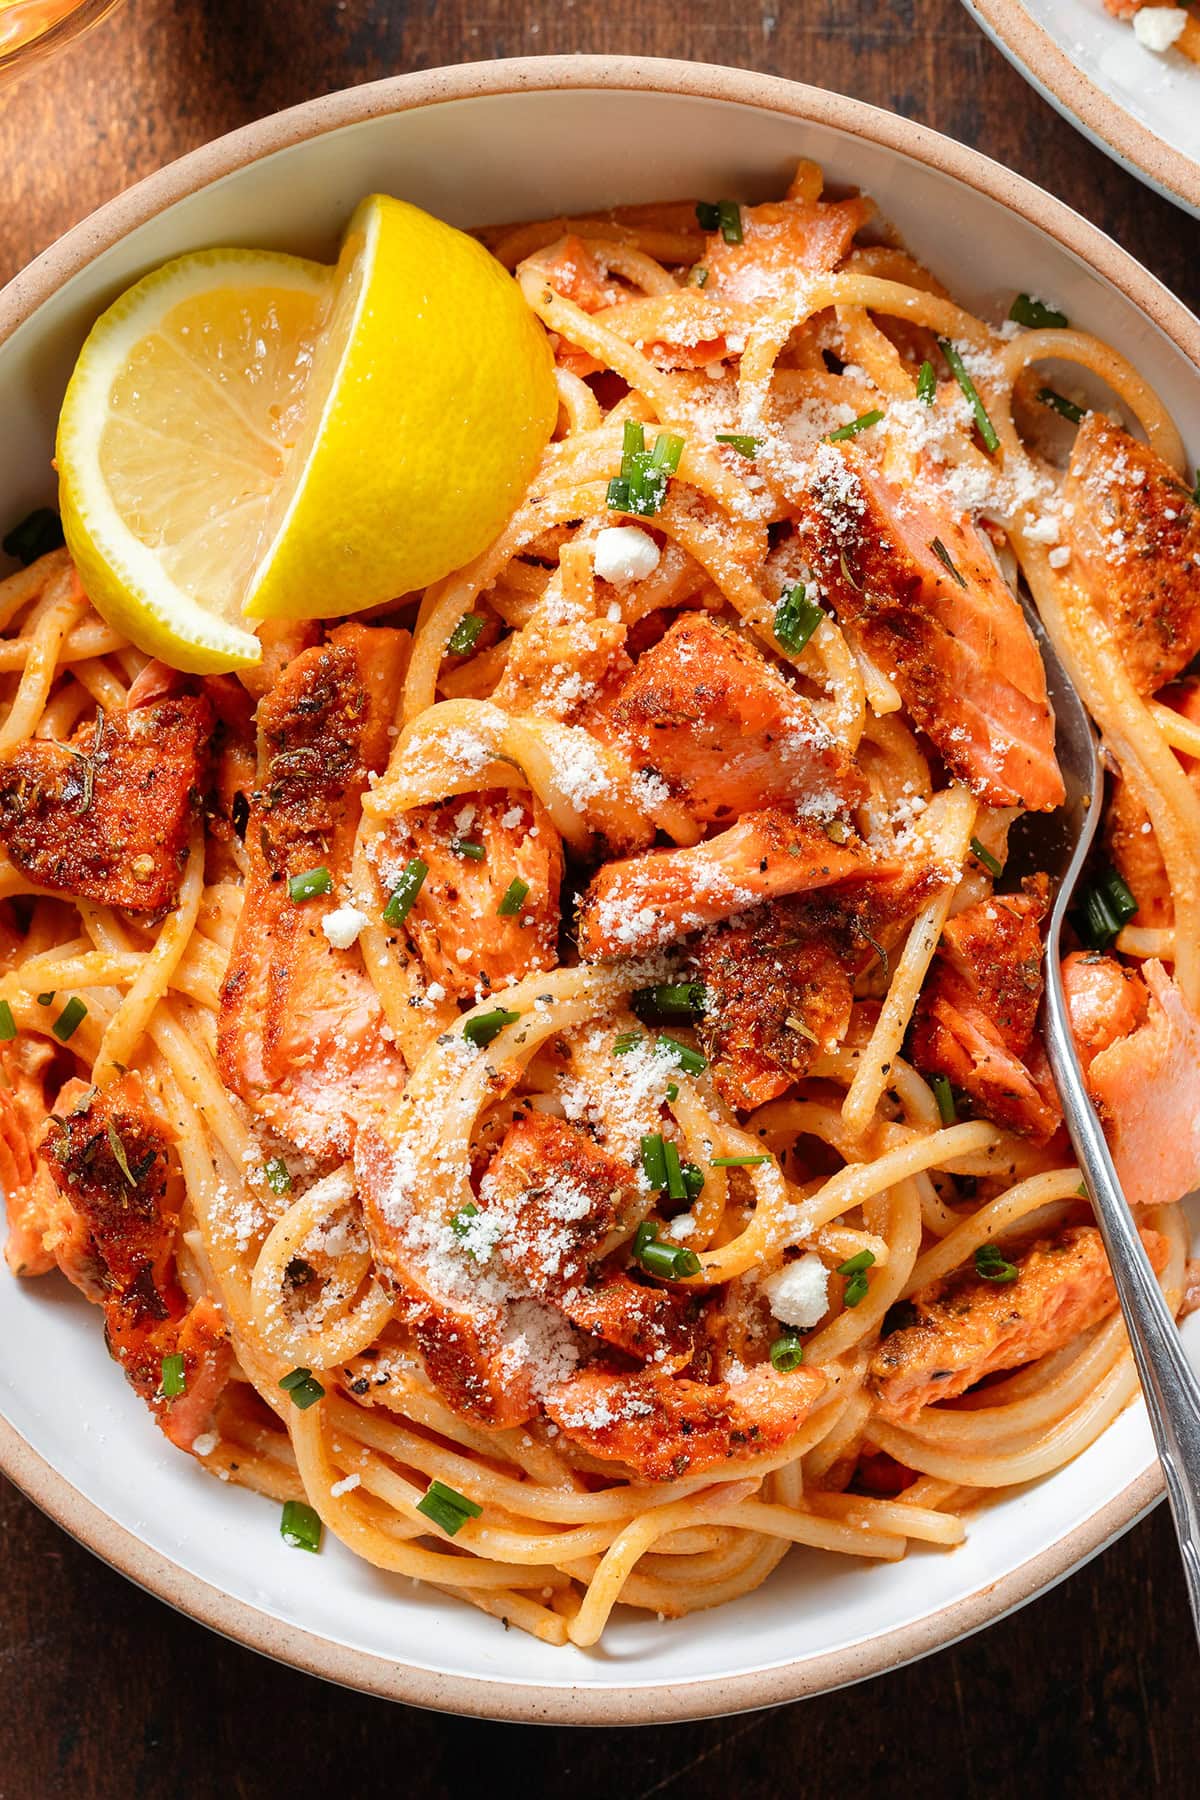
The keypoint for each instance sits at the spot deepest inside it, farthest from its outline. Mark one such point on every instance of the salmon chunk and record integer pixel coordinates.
(781, 243)
(31, 1200)
(573, 272)
(779, 993)
(968, 1327)
(302, 1036)
(653, 1324)
(1144, 1078)
(976, 1019)
(106, 817)
(1106, 1000)
(919, 591)
(709, 716)
(436, 1271)
(108, 1156)
(551, 1194)
(455, 924)
(646, 901)
(665, 1427)
(1134, 528)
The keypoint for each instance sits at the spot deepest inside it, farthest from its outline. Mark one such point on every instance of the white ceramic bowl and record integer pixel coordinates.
(477, 145)
(1140, 107)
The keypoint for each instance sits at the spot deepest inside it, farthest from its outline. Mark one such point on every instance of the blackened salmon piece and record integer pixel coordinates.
(1134, 528)
(106, 816)
(918, 589)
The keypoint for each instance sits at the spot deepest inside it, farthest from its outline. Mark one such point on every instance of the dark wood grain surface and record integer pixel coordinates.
(1094, 1689)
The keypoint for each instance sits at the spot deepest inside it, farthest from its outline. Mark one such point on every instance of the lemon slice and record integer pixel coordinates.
(173, 439)
(432, 399)
(248, 435)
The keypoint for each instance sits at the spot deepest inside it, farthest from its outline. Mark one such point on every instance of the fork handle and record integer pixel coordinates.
(1170, 1386)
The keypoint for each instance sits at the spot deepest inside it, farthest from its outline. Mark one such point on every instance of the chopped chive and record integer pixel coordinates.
(278, 1175)
(676, 1190)
(958, 369)
(693, 1180)
(463, 847)
(118, 1150)
(993, 1266)
(1107, 905)
(991, 863)
(1060, 404)
(460, 1224)
(481, 1030)
(856, 1290)
(645, 1234)
(1025, 310)
(1119, 896)
(697, 276)
(862, 423)
(641, 486)
(708, 215)
(857, 1285)
(465, 635)
(447, 1508)
(514, 898)
(405, 892)
(46, 999)
(729, 217)
(300, 1526)
(796, 618)
(947, 561)
(35, 536)
(8, 1025)
(787, 1352)
(672, 1092)
(748, 447)
(689, 1060)
(173, 1379)
(668, 448)
(669, 1001)
(625, 1041)
(738, 1162)
(943, 1093)
(69, 1019)
(926, 384)
(654, 1160)
(302, 1388)
(671, 1261)
(309, 885)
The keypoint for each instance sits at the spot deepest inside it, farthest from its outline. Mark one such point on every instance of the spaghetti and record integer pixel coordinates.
(546, 1085)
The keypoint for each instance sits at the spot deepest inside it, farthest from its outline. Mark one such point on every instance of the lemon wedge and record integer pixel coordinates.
(248, 435)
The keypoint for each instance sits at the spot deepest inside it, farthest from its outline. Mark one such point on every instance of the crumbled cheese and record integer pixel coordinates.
(798, 1294)
(1059, 557)
(1157, 27)
(343, 925)
(206, 1443)
(625, 553)
(1043, 530)
(346, 1486)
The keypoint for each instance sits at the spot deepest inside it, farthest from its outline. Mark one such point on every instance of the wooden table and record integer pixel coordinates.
(1094, 1689)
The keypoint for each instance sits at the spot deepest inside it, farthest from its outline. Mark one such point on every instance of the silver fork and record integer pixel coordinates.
(1059, 844)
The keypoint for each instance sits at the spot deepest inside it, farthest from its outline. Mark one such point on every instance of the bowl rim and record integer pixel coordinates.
(479, 1696)
(1040, 55)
